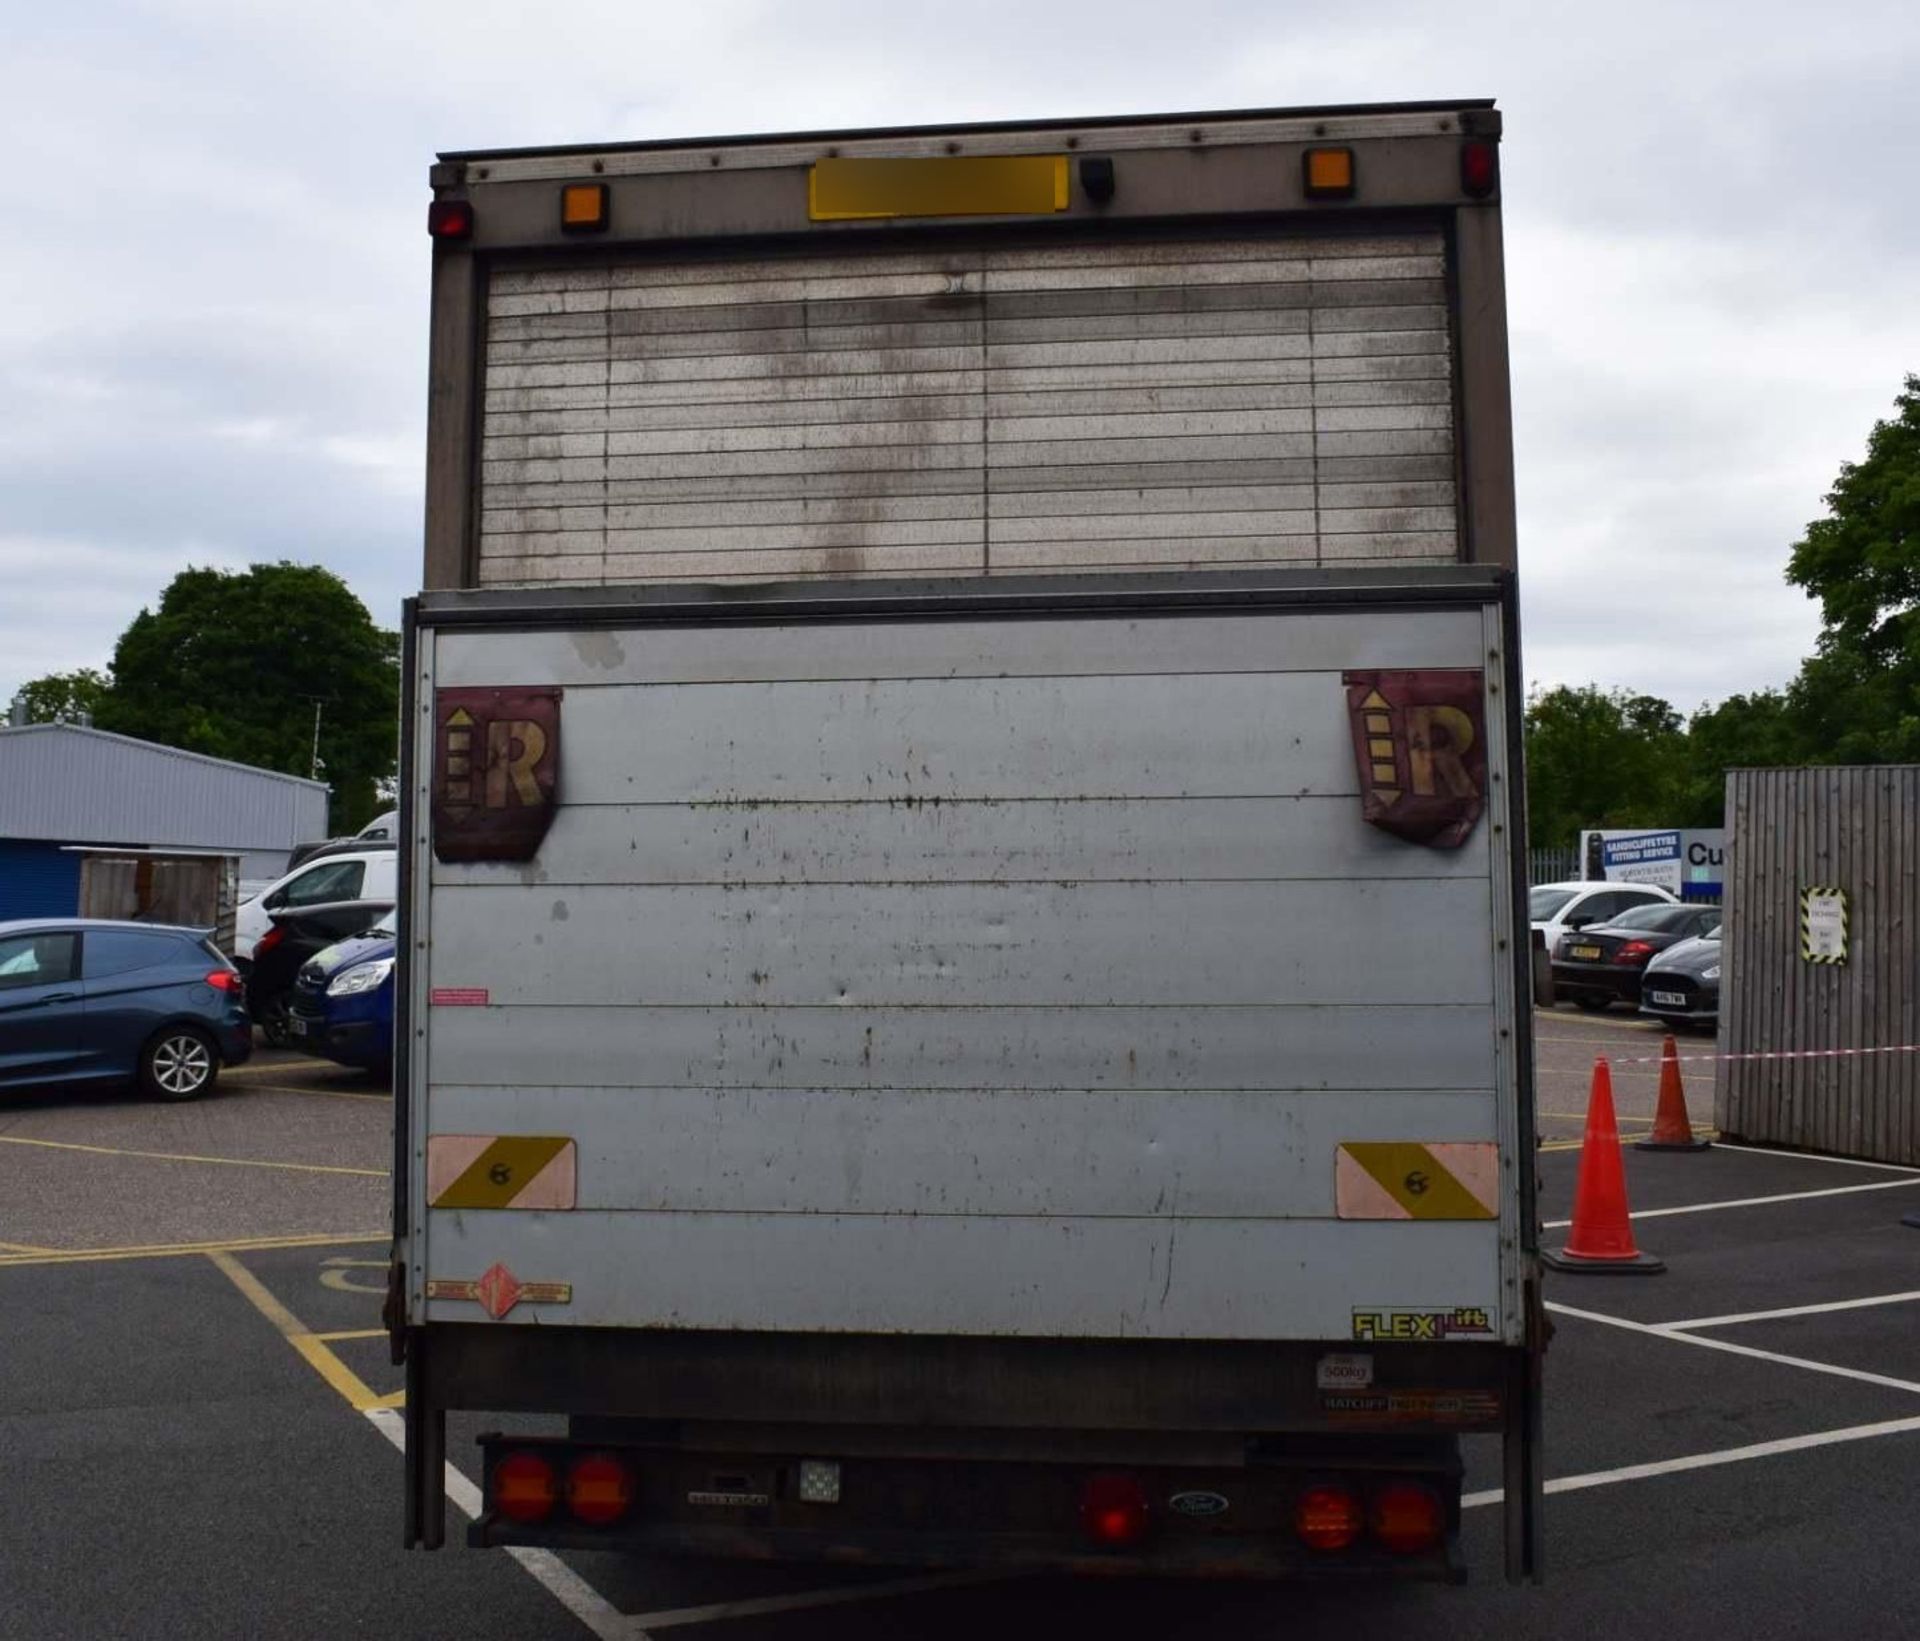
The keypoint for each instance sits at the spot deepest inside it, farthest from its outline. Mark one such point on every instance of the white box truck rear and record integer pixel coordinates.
(962, 798)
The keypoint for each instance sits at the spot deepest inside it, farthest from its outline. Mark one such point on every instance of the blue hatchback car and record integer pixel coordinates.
(341, 1007)
(90, 1001)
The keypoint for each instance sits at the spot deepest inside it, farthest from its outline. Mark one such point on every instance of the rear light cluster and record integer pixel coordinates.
(1404, 1517)
(527, 1486)
(1633, 952)
(225, 980)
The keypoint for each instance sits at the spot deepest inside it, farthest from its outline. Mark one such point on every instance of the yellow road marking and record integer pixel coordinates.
(394, 1398)
(24, 1248)
(176, 1156)
(1625, 1139)
(351, 1333)
(357, 1392)
(1581, 1116)
(175, 1250)
(319, 1093)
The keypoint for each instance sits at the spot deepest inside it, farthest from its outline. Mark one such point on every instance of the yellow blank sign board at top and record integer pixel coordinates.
(972, 186)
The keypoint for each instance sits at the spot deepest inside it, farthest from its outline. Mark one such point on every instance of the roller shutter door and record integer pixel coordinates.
(971, 409)
(37, 880)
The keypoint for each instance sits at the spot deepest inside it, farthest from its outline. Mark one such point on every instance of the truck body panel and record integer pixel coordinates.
(1018, 859)
(953, 1014)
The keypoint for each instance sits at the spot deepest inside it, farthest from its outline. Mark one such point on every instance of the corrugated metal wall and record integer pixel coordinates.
(37, 880)
(85, 786)
(1859, 830)
(971, 409)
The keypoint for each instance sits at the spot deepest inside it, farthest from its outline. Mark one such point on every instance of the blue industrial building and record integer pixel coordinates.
(66, 787)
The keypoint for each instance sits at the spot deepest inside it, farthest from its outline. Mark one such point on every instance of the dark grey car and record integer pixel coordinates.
(1682, 985)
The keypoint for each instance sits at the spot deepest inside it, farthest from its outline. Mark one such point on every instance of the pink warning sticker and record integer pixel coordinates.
(458, 997)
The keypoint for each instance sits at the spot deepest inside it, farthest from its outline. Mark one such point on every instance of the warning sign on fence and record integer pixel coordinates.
(1823, 924)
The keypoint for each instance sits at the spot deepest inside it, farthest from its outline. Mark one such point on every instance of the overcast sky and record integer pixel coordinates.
(213, 279)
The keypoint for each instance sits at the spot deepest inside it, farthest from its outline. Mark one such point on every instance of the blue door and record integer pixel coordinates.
(135, 981)
(40, 1008)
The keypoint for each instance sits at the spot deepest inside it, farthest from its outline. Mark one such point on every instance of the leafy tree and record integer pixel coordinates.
(233, 664)
(1743, 731)
(65, 695)
(1600, 758)
(1858, 698)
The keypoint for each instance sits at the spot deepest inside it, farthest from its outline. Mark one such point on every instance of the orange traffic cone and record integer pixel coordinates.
(1671, 1129)
(1602, 1238)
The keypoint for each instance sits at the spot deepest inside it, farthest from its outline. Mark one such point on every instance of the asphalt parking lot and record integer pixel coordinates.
(198, 1413)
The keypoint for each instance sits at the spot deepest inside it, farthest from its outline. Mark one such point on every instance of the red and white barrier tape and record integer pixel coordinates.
(1767, 1054)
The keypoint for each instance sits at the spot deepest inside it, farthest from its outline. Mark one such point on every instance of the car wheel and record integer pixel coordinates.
(1593, 1002)
(271, 1017)
(179, 1064)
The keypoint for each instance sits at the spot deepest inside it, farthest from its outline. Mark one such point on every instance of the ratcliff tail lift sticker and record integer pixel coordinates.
(1419, 739)
(496, 768)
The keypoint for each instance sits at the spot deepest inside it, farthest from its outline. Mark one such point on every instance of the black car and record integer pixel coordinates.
(298, 934)
(1682, 985)
(1600, 966)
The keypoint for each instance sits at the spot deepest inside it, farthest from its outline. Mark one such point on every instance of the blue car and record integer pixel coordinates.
(83, 1000)
(341, 1007)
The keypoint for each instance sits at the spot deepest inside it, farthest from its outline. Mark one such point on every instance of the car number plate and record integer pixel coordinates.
(296, 1025)
(1585, 953)
(1671, 999)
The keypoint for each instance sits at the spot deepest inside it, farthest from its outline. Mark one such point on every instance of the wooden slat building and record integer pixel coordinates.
(1857, 830)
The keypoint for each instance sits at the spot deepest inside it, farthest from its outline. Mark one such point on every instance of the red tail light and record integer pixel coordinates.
(225, 980)
(269, 940)
(1328, 1518)
(1406, 1517)
(1634, 951)
(1479, 169)
(450, 219)
(599, 1489)
(524, 1487)
(1114, 1510)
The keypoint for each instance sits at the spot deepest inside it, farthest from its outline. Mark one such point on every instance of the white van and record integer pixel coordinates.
(366, 874)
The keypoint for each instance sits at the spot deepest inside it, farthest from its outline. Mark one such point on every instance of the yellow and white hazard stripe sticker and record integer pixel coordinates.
(1402, 1179)
(501, 1171)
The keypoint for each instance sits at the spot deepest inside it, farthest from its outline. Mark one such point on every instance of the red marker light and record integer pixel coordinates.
(224, 980)
(450, 219)
(269, 940)
(1479, 169)
(1114, 1510)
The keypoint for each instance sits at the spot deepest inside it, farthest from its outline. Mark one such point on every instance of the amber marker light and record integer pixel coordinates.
(583, 208)
(1329, 173)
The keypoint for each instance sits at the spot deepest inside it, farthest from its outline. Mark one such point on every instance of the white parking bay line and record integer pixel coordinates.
(560, 1581)
(1706, 1461)
(1814, 1156)
(1660, 1331)
(802, 1599)
(1790, 1310)
(1752, 1202)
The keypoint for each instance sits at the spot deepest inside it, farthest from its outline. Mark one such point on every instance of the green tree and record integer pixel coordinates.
(233, 663)
(1857, 700)
(1743, 731)
(65, 695)
(1600, 758)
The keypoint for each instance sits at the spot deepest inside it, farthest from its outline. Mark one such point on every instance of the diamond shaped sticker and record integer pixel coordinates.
(499, 1290)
